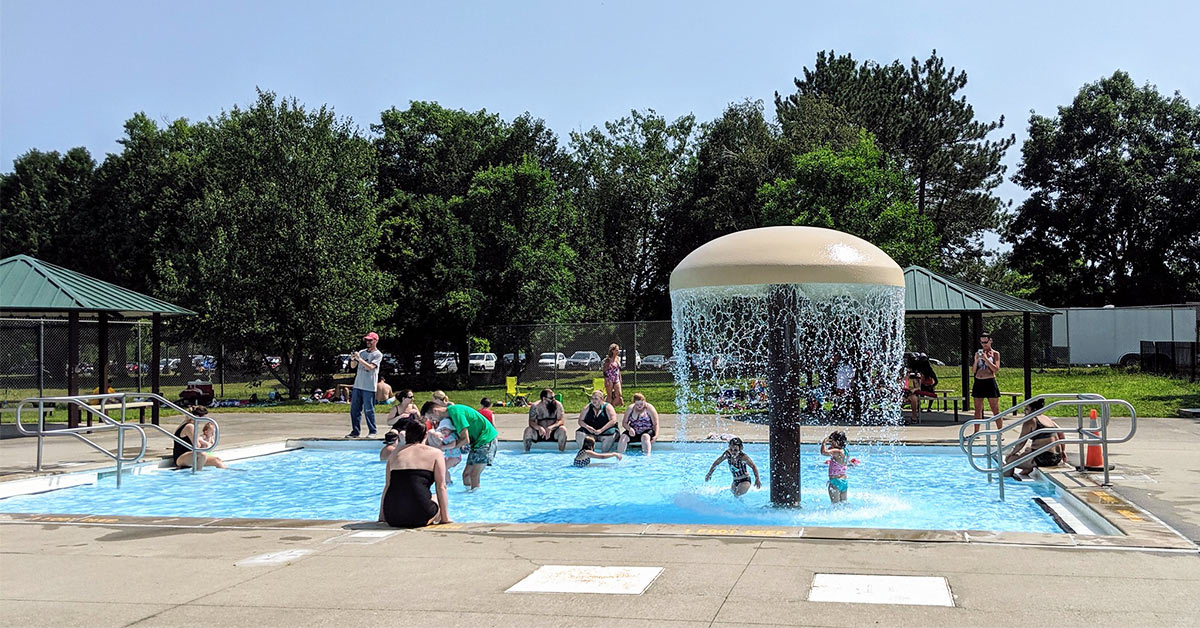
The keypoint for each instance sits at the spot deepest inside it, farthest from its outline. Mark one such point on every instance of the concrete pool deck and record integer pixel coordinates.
(116, 572)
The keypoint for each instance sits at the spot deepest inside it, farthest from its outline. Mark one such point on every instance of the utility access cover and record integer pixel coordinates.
(587, 579)
(866, 589)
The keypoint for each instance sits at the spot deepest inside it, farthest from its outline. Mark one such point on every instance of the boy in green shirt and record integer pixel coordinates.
(474, 431)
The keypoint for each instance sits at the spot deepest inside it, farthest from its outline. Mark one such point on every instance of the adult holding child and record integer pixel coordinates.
(598, 419)
(547, 422)
(987, 365)
(640, 424)
(185, 455)
(476, 436)
(366, 376)
(611, 368)
(411, 471)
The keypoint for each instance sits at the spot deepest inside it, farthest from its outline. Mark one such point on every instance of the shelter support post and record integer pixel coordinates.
(102, 356)
(155, 359)
(966, 361)
(1028, 349)
(72, 367)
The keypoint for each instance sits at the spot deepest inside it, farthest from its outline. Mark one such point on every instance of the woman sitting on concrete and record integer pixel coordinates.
(183, 454)
(411, 470)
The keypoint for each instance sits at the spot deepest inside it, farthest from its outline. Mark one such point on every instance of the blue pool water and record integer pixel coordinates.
(930, 488)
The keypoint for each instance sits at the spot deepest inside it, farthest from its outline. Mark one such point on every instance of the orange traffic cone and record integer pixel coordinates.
(1095, 456)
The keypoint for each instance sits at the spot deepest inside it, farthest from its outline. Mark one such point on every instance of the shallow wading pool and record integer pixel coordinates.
(917, 487)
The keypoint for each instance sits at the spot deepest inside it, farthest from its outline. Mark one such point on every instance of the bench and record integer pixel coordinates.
(140, 406)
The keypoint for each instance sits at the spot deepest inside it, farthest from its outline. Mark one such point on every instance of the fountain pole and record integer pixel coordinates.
(783, 379)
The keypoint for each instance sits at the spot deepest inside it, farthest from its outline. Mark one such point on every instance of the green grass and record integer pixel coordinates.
(1151, 395)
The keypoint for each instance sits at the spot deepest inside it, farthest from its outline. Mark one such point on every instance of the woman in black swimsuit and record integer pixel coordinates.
(598, 419)
(182, 454)
(411, 470)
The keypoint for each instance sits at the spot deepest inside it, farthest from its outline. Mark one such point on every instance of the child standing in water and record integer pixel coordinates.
(835, 448)
(738, 461)
(587, 451)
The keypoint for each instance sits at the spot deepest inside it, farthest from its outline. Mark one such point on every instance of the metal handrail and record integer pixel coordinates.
(1089, 435)
(110, 424)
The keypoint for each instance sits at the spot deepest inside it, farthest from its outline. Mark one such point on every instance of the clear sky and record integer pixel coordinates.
(71, 72)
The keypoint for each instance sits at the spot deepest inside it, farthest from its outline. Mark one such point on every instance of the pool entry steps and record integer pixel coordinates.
(98, 406)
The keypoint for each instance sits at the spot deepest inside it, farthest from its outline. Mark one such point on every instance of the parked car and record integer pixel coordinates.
(656, 361)
(445, 361)
(553, 361)
(584, 360)
(672, 363)
(637, 359)
(341, 362)
(165, 365)
(482, 361)
(391, 364)
(272, 362)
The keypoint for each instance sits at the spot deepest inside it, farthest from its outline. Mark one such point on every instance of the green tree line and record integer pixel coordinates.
(291, 230)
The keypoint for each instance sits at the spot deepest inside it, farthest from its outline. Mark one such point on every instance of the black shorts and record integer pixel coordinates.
(985, 389)
(1047, 459)
(537, 436)
(612, 431)
(638, 436)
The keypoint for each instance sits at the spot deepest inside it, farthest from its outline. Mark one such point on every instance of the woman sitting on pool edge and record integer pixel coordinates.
(598, 420)
(411, 470)
(641, 423)
(183, 454)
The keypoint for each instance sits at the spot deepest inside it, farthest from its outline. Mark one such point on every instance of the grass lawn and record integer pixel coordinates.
(1151, 395)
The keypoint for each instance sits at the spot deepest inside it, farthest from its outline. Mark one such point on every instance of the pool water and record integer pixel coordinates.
(923, 488)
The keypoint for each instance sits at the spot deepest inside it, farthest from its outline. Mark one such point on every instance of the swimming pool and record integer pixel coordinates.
(919, 488)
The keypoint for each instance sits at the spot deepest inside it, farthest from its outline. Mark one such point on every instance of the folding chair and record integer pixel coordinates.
(597, 384)
(513, 393)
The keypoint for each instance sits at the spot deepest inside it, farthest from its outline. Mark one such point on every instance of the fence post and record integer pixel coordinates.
(555, 354)
(221, 367)
(139, 357)
(635, 354)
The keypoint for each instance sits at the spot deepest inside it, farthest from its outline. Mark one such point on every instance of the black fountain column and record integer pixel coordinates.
(783, 379)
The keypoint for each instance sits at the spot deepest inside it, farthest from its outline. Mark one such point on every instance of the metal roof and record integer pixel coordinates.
(29, 286)
(928, 292)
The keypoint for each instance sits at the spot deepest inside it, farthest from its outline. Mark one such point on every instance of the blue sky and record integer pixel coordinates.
(71, 72)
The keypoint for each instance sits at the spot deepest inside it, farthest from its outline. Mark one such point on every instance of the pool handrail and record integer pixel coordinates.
(109, 424)
(1085, 436)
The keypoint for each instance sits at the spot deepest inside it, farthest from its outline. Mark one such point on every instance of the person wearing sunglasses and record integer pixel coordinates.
(986, 366)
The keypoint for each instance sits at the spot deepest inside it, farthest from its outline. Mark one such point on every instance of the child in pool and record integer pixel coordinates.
(587, 452)
(738, 461)
(835, 448)
(445, 438)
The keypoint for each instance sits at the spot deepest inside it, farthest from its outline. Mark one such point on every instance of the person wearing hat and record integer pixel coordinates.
(362, 397)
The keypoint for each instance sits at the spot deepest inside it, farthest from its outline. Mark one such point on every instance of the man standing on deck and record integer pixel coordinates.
(362, 397)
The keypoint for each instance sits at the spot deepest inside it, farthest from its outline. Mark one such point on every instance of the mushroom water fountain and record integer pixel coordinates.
(797, 325)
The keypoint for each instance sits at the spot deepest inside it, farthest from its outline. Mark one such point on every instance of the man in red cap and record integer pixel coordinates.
(362, 397)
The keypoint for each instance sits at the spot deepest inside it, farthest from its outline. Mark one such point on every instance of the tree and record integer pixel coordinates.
(918, 118)
(277, 253)
(1113, 215)
(857, 190)
(41, 201)
(628, 176)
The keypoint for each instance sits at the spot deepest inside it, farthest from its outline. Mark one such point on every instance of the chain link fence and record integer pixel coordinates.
(941, 340)
(35, 361)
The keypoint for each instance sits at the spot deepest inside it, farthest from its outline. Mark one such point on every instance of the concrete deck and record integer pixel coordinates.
(117, 573)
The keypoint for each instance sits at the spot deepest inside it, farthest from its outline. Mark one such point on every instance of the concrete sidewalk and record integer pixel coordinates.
(169, 574)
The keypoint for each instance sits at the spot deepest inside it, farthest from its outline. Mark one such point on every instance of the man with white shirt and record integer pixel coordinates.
(362, 397)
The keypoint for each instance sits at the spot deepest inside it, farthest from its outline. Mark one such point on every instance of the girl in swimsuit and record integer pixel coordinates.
(738, 461)
(611, 368)
(411, 470)
(641, 423)
(835, 448)
(587, 451)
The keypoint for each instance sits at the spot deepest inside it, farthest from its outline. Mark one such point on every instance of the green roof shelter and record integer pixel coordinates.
(32, 288)
(930, 294)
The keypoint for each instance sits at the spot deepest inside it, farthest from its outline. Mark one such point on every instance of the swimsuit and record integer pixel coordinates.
(985, 388)
(180, 449)
(642, 424)
(738, 469)
(407, 503)
(597, 420)
(612, 373)
(836, 468)
(1049, 458)
(582, 462)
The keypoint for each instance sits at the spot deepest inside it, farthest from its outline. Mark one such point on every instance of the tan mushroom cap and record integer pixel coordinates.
(786, 255)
